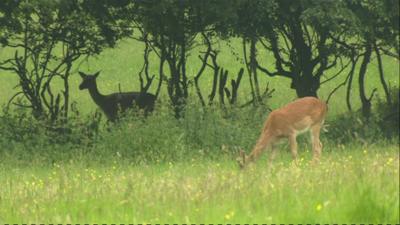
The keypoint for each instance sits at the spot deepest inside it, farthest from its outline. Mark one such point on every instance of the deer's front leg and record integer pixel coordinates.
(261, 145)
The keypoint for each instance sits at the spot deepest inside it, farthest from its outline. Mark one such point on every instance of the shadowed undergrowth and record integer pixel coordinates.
(162, 138)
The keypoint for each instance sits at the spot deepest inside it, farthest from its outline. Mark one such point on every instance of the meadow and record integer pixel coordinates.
(357, 185)
(164, 170)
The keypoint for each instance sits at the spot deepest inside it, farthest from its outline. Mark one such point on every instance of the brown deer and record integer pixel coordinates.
(297, 117)
(113, 103)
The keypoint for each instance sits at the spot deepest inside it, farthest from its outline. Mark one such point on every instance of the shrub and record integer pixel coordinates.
(388, 114)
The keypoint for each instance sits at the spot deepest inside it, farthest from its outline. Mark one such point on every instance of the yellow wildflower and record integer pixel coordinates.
(229, 215)
(318, 207)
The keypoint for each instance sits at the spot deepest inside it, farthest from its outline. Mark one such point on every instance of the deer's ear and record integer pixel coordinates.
(82, 74)
(97, 73)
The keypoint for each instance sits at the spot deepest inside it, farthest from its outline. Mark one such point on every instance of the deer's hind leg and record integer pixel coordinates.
(293, 147)
(271, 157)
(316, 143)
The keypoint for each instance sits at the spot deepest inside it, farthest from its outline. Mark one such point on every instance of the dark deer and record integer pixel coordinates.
(114, 103)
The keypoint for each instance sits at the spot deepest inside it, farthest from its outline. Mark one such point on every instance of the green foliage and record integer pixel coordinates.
(376, 20)
(307, 40)
(353, 127)
(161, 137)
(388, 114)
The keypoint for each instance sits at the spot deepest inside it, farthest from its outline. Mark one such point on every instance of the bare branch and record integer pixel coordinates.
(337, 74)
(12, 98)
(203, 66)
(389, 53)
(348, 78)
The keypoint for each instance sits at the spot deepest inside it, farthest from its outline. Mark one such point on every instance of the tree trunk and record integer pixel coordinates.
(253, 94)
(366, 103)
(354, 60)
(348, 92)
(176, 93)
(253, 69)
(305, 83)
(161, 74)
(381, 75)
(304, 89)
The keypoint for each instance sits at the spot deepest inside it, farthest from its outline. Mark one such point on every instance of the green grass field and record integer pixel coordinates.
(163, 170)
(352, 185)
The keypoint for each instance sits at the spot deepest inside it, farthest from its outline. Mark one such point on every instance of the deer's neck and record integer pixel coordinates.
(98, 98)
(262, 143)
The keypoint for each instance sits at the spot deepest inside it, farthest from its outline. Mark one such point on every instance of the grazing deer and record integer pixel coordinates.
(113, 103)
(304, 114)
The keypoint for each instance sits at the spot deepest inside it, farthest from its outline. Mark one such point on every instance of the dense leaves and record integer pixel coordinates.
(306, 39)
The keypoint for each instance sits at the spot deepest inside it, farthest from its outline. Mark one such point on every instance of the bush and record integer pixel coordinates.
(383, 124)
(352, 127)
(160, 137)
(25, 137)
(388, 114)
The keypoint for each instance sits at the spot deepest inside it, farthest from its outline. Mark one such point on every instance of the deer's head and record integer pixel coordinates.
(88, 80)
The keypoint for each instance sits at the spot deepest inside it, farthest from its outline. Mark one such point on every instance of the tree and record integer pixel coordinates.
(254, 19)
(375, 29)
(47, 38)
(300, 44)
(171, 28)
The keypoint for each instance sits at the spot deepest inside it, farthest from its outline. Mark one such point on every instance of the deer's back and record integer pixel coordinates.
(116, 102)
(129, 99)
(297, 115)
